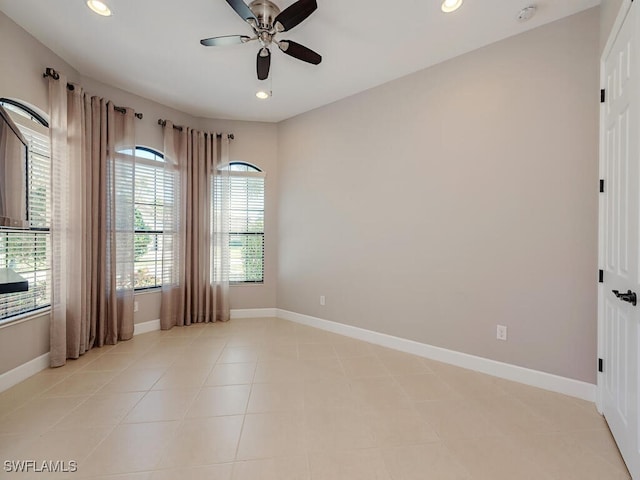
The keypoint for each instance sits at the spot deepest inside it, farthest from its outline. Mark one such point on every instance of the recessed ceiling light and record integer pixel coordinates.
(99, 7)
(449, 6)
(263, 95)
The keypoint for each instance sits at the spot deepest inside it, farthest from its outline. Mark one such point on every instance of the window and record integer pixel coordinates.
(28, 252)
(152, 189)
(246, 223)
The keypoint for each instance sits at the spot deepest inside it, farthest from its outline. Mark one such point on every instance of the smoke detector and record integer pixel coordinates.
(526, 13)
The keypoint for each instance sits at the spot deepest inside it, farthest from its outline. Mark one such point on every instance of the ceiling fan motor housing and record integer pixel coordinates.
(266, 13)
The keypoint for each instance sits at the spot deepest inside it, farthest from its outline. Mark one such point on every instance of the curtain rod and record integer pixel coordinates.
(163, 123)
(50, 72)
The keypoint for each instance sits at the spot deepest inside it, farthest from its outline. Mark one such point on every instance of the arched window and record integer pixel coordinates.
(28, 251)
(152, 191)
(246, 224)
(240, 167)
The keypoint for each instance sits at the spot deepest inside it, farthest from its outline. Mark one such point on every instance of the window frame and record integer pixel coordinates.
(35, 116)
(253, 171)
(27, 118)
(157, 164)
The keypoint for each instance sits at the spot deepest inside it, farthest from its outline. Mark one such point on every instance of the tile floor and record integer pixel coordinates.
(266, 399)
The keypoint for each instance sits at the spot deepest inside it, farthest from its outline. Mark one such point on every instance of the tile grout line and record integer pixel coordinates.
(244, 417)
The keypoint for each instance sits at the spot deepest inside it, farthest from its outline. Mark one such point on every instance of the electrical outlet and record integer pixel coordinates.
(135, 306)
(501, 332)
(322, 300)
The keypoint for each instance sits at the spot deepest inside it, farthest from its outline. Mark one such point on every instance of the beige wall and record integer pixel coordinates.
(432, 208)
(256, 143)
(463, 196)
(24, 60)
(21, 342)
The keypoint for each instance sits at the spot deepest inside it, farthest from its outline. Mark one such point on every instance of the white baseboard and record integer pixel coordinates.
(146, 327)
(153, 325)
(24, 371)
(253, 313)
(527, 376)
(535, 378)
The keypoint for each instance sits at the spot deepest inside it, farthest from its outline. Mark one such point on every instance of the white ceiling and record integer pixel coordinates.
(151, 47)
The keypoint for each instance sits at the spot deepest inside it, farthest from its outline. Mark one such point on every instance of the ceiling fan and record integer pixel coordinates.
(267, 21)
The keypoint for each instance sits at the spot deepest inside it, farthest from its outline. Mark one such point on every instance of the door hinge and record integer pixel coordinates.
(600, 276)
(603, 96)
(601, 185)
(600, 365)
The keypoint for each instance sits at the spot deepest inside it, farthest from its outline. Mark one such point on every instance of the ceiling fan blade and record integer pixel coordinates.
(243, 10)
(299, 51)
(225, 40)
(263, 62)
(294, 14)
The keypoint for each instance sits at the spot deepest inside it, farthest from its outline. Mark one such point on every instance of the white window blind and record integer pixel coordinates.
(153, 188)
(28, 252)
(246, 223)
(38, 178)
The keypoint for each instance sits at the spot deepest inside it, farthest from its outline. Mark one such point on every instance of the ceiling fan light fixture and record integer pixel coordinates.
(99, 7)
(449, 6)
(263, 94)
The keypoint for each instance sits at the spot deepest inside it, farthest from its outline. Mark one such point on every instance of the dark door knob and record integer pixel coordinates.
(626, 297)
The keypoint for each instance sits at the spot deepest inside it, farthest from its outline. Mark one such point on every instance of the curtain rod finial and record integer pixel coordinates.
(50, 72)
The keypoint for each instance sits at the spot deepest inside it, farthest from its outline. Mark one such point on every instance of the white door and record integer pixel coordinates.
(620, 241)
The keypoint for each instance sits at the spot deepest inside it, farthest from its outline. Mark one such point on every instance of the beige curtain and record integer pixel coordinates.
(195, 245)
(92, 221)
